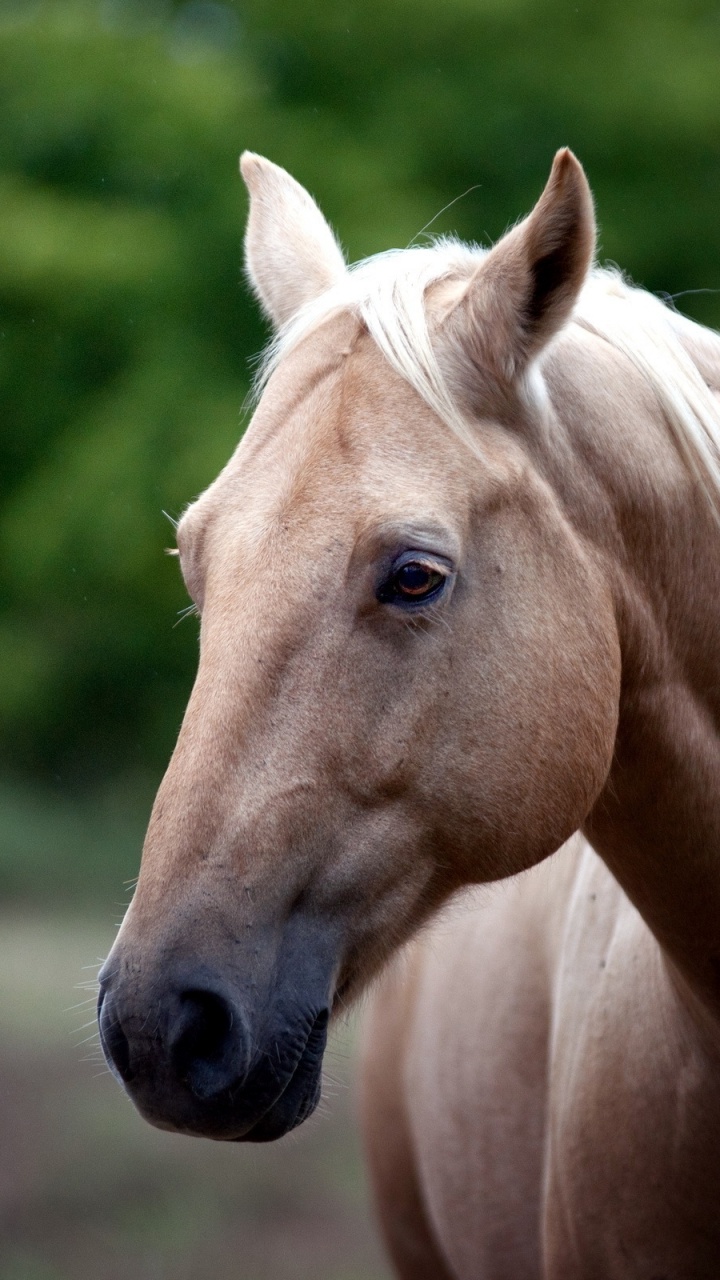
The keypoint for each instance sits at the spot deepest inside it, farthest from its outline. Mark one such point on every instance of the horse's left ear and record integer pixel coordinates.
(526, 287)
(291, 254)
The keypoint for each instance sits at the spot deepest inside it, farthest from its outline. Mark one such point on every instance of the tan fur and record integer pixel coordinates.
(292, 255)
(560, 1088)
(545, 1066)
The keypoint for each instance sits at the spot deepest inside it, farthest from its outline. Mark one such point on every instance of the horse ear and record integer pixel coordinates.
(291, 254)
(527, 286)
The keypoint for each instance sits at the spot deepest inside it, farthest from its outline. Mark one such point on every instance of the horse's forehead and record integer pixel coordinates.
(335, 424)
(335, 392)
(302, 392)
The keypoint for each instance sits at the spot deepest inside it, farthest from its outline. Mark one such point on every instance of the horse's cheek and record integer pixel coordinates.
(529, 742)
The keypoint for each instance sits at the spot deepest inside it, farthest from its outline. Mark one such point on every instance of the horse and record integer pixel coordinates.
(459, 590)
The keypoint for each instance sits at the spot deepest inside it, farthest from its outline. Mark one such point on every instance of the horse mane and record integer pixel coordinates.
(387, 294)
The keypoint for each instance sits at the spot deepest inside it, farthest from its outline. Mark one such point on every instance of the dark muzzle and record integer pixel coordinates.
(204, 1052)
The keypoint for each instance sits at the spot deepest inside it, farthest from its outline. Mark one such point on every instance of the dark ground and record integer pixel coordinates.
(88, 1191)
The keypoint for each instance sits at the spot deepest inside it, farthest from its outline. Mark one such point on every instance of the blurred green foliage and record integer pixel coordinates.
(125, 331)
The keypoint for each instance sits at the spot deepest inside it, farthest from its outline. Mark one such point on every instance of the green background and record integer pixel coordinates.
(126, 330)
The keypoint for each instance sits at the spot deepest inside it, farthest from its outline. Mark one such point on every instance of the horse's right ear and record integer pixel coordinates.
(525, 288)
(291, 254)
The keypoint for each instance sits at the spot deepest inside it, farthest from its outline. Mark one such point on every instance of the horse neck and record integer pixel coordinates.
(631, 496)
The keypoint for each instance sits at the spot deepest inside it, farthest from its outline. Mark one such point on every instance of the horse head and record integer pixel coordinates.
(409, 668)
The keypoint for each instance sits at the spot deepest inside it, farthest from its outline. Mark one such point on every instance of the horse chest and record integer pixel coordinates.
(563, 1111)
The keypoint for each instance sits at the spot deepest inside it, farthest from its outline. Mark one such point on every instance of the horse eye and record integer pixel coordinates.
(414, 581)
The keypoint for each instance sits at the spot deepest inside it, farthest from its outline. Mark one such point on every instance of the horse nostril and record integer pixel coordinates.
(113, 1039)
(206, 1043)
(202, 1028)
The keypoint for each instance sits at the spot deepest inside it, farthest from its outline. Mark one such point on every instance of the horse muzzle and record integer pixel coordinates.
(203, 1051)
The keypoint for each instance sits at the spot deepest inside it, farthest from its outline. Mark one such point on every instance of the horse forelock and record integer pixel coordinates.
(388, 293)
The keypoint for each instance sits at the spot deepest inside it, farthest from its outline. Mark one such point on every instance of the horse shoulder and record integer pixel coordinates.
(633, 1141)
(461, 1028)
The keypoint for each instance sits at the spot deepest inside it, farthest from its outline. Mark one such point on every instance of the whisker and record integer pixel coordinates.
(187, 612)
(86, 1040)
(84, 1027)
(475, 187)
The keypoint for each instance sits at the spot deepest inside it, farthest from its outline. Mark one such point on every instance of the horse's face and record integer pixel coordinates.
(407, 682)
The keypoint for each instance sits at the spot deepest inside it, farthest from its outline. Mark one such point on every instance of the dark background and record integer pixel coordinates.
(125, 340)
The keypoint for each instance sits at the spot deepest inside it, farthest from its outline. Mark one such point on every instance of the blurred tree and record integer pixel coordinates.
(125, 332)
(123, 337)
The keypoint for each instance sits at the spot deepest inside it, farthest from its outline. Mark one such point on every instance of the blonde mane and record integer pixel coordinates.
(387, 294)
